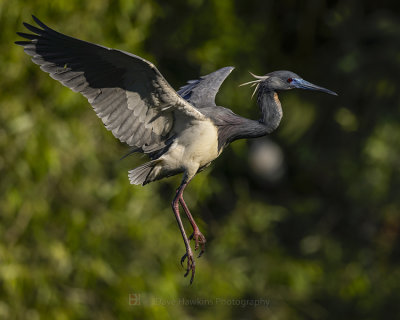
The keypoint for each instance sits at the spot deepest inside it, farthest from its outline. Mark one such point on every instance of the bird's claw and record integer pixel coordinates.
(183, 259)
(200, 240)
(191, 266)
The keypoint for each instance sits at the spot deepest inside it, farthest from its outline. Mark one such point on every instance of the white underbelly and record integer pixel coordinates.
(193, 148)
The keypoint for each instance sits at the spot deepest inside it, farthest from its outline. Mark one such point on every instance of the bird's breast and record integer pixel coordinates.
(194, 147)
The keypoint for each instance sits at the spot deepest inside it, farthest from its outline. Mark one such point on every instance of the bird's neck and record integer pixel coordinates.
(271, 110)
(232, 127)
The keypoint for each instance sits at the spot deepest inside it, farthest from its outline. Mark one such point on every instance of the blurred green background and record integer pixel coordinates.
(306, 220)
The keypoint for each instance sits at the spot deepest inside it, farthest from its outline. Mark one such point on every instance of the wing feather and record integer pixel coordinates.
(128, 93)
(202, 92)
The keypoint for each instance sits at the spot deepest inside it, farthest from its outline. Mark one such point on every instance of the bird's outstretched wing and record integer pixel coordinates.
(128, 93)
(202, 92)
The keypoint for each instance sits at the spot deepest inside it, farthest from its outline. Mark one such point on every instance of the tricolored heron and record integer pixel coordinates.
(181, 132)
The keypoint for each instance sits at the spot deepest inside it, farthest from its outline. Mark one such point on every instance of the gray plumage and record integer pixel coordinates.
(181, 132)
(201, 93)
(128, 93)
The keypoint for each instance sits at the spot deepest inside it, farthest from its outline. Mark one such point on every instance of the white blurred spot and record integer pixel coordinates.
(266, 160)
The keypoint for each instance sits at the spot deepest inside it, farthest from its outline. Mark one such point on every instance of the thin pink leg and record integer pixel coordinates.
(189, 254)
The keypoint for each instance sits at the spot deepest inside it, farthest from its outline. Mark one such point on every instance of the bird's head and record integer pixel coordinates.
(283, 80)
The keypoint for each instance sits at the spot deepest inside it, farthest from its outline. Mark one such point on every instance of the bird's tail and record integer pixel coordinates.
(140, 174)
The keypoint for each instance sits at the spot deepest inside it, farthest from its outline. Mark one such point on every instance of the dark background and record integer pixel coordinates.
(306, 220)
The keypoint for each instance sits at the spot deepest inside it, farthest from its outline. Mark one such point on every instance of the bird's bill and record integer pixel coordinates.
(303, 84)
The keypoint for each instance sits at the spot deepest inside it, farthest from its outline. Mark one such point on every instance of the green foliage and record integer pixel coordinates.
(320, 241)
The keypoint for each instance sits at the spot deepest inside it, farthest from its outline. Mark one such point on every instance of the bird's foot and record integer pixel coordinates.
(200, 240)
(191, 266)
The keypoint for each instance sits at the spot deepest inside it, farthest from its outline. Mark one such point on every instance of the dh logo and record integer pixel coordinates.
(134, 299)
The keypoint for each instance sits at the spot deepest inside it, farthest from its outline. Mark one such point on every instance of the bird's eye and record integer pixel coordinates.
(289, 80)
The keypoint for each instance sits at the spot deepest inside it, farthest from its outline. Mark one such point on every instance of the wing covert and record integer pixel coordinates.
(202, 92)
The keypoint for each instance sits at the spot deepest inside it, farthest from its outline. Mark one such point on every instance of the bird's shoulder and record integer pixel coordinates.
(221, 116)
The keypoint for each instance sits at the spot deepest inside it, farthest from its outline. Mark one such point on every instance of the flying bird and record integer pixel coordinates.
(181, 131)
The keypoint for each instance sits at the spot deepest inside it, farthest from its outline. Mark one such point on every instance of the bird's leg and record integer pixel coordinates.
(198, 237)
(189, 254)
